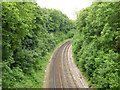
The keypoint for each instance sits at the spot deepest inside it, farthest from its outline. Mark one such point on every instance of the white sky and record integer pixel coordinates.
(68, 7)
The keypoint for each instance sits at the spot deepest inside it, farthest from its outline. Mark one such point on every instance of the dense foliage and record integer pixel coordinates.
(96, 44)
(29, 34)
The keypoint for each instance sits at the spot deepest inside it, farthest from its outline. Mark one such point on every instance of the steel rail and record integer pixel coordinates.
(53, 68)
(63, 55)
(70, 69)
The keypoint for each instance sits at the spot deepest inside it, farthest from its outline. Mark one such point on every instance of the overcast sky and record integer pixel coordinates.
(68, 7)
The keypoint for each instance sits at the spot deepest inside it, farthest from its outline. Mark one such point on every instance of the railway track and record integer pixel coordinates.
(61, 71)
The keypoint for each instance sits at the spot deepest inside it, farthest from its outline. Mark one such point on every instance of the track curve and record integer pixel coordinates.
(61, 71)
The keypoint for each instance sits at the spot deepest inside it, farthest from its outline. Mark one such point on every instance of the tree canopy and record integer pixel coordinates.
(96, 44)
(29, 34)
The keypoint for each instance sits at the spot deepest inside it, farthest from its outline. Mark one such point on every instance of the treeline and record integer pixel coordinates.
(96, 44)
(29, 34)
